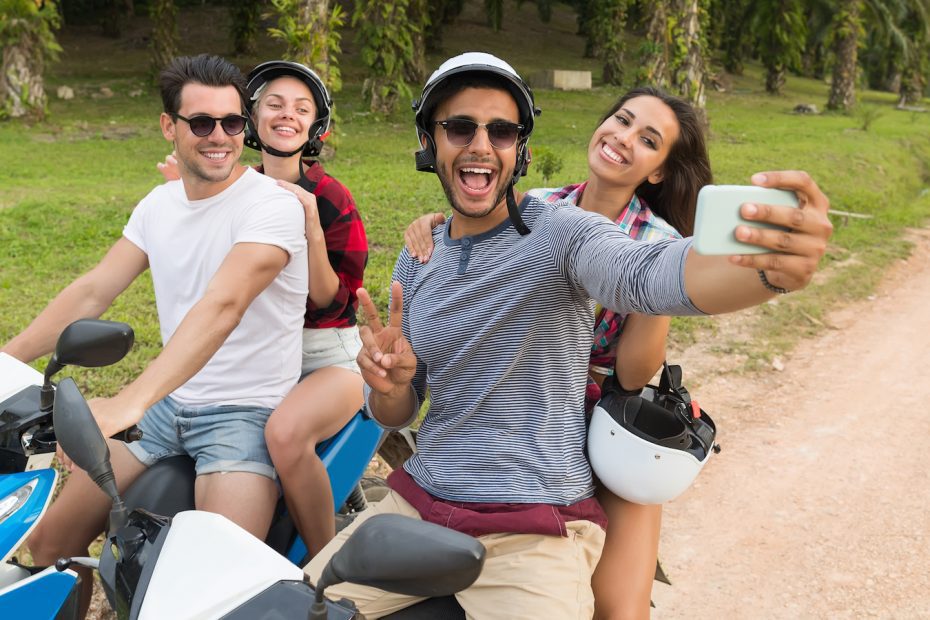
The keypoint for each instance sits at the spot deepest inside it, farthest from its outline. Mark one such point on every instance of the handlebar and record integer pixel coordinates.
(129, 435)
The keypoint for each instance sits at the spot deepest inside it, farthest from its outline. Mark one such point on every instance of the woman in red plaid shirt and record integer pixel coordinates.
(290, 113)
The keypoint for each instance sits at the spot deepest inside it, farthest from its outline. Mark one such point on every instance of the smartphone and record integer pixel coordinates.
(718, 216)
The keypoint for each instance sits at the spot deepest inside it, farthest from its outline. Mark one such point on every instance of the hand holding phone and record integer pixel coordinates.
(718, 216)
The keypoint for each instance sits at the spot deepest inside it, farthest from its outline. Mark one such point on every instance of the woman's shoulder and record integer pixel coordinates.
(642, 223)
(328, 186)
(570, 193)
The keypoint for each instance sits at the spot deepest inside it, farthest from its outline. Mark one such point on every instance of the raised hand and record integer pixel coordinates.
(169, 168)
(419, 235)
(312, 227)
(386, 359)
(798, 250)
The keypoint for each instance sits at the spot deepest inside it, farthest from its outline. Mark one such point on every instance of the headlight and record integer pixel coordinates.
(17, 499)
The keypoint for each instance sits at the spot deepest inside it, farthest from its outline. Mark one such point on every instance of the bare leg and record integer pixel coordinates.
(244, 498)
(315, 410)
(78, 515)
(623, 579)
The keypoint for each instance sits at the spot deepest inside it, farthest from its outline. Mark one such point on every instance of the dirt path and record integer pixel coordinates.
(819, 504)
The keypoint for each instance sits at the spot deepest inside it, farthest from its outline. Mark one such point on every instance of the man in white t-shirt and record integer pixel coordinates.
(227, 253)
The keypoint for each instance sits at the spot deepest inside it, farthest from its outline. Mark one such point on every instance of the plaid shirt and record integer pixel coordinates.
(639, 222)
(346, 246)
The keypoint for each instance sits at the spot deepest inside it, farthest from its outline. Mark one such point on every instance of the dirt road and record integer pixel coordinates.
(819, 504)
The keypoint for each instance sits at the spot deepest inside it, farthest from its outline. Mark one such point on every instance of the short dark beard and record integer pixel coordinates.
(450, 196)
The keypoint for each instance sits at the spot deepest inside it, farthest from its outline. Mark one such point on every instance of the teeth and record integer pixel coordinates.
(476, 170)
(288, 130)
(612, 154)
(215, 155)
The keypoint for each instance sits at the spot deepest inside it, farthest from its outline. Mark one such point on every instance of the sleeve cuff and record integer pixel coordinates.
(366, 391)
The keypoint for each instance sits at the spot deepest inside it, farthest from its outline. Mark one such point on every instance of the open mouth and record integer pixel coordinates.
(476, 181)
(612, 155)
(287, 132)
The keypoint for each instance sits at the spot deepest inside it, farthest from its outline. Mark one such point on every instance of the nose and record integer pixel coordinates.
(481, 142)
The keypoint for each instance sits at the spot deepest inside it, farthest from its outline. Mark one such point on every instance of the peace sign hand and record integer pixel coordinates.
(386, 359)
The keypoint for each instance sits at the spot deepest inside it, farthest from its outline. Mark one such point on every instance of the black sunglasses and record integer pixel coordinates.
(203, 125)
(461, 131)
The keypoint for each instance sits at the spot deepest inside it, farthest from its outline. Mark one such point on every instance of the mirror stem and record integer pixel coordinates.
(118, 516)
(47, 393)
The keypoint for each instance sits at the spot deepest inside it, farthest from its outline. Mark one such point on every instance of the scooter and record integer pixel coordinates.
(201, 565)
(27, 479)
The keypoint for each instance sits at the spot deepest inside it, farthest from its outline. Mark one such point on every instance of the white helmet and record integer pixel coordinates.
(649, 449)
(463, 67)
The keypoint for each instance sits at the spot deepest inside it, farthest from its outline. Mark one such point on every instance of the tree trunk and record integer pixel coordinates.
(164, 33)
(246, 18)
(22, 91)
(848, 26)
(415, 71)
(655, 62)
(775, 79)
(688, 79)
(112, 19)
(316, 14)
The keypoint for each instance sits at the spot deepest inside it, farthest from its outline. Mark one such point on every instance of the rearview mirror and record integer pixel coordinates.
(80, 437)
(92, 343)
(378, 554)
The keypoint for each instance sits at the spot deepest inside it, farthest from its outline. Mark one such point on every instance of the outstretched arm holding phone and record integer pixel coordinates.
(725, 283)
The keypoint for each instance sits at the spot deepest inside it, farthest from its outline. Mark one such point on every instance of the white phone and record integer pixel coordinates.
(718, 216)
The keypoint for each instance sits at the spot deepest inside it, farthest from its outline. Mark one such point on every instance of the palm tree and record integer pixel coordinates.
(28, 41)
(688, 74)
(780, 31)
(164, 33)
(655, 61)
(847, 29)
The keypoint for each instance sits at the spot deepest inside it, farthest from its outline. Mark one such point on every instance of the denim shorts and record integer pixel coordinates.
(330, 346)
(220, 438)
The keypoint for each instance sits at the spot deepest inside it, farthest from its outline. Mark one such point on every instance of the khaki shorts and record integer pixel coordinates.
(525, 576)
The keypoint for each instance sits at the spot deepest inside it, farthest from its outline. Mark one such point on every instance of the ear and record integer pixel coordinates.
(424, 141)
(656, 177)
(167, 127)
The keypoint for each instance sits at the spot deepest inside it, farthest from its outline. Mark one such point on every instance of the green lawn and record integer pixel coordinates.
(69, 184)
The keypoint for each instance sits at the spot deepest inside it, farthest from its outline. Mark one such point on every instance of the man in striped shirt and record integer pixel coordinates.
(497, 327)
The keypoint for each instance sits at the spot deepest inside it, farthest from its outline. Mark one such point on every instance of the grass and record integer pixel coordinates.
(70, 183)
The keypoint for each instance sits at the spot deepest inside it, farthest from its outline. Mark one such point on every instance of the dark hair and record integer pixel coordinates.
(203, 69)
(686, 169)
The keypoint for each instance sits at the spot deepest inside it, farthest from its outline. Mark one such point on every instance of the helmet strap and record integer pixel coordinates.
(275, 152)
(514, 212)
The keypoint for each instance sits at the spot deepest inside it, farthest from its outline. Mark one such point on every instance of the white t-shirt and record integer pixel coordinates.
(186, 241)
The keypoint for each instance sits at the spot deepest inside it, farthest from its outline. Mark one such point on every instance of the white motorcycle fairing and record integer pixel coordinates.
(209, 566)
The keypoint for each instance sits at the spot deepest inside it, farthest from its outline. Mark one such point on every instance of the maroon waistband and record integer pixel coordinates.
(478, 519)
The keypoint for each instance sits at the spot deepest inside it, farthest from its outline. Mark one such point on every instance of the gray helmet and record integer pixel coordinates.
(268, 71)
(471, 63)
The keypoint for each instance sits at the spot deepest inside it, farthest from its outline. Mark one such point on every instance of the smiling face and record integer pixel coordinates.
(206, 164)
(476, 177)
(284, 112)
(631, 145)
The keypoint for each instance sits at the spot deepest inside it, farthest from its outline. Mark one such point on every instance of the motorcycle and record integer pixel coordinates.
(27, 478)
(201, 565)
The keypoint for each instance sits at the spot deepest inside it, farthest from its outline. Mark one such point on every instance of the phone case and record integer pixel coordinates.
(718, 216)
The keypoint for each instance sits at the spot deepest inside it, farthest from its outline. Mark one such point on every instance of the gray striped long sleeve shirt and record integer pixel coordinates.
(501, 327)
